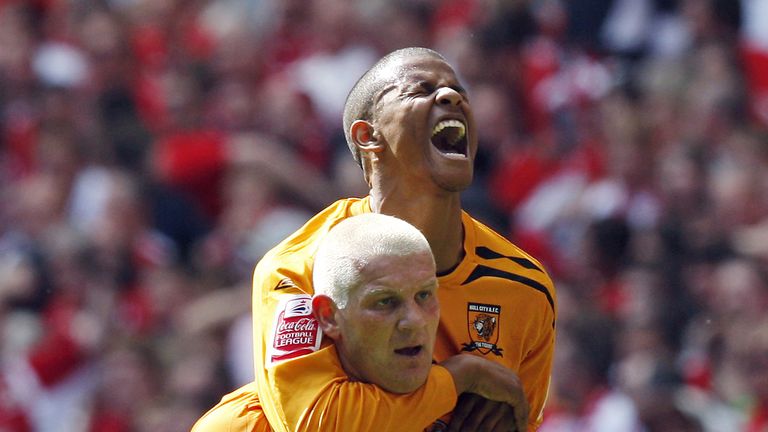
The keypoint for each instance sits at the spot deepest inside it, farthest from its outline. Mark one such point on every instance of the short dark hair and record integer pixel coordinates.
(359, 103)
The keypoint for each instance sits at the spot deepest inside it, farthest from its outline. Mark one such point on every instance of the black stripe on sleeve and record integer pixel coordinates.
(485, 253)
(484, 271)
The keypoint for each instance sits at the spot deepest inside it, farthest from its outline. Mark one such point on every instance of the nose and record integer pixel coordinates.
(448, 96)
(413, 318)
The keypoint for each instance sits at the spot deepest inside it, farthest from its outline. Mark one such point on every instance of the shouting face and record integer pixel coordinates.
(423, 116)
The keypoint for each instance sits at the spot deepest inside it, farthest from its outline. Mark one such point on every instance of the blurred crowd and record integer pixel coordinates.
(152, 150)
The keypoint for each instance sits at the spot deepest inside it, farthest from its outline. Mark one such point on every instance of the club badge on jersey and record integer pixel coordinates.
(295, 331)
(483, 327)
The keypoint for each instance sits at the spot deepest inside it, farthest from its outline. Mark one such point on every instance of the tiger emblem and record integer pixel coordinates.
(484, 325)
(482, 322)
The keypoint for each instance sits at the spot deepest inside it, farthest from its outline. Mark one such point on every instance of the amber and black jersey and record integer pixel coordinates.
(498, 302)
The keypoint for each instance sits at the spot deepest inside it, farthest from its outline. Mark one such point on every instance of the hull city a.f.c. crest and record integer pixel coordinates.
(483, 327)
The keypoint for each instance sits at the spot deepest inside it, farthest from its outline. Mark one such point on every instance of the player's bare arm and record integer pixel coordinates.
(491, 381)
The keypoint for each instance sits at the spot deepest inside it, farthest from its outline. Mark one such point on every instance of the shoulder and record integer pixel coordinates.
(293, 257)
(316, 227)
(490, 245)
(496, 256)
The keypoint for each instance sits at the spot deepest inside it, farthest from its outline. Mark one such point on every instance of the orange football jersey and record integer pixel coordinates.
(498, 302)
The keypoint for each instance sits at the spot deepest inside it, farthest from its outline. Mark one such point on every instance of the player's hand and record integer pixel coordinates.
(476, 413)
(492, 381)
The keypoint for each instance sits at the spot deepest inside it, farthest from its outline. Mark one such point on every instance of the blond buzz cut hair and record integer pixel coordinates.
(353, 243)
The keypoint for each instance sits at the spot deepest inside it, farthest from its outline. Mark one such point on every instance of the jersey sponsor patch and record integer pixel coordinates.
(483, 327)
(295, 331)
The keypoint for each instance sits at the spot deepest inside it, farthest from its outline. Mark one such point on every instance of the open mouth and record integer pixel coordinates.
(450, 137)
(409, 351)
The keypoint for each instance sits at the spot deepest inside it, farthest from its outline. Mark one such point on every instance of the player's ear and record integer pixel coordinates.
(365, 137)
(324, 309)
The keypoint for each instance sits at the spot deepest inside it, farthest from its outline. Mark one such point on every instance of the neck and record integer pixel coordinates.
(437, 216)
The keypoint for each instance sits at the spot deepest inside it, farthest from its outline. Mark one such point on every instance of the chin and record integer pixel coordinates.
(452, 178)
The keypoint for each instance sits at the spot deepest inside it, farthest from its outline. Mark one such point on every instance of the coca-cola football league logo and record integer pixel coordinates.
(295, 332)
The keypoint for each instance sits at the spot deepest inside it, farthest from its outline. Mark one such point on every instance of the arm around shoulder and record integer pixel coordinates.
(322, 397)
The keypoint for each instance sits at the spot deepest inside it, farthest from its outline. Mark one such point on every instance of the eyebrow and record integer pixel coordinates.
(389, 291)
(422, 80)
(386, 89)
(379, 291)
(431, 284)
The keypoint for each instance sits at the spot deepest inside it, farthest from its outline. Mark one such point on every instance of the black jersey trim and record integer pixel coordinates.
(486, 253)
(485, 271)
